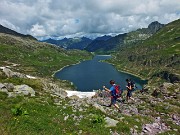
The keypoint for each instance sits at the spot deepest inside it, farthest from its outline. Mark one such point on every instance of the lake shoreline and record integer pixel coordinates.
(53, 75)
(139, 80)
(129, 72)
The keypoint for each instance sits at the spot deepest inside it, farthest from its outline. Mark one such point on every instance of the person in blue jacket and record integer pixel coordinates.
(113, 94)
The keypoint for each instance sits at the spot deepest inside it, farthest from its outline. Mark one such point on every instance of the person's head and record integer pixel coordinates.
(112, 82)
(127, 80)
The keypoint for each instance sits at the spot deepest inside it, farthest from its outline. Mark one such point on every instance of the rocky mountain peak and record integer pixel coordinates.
(155, 26)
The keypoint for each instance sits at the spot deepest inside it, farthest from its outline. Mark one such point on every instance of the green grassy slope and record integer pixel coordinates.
(155, 56)
(36, 58)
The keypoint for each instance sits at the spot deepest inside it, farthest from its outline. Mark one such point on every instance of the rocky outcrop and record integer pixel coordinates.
(54, 89)
(18, 90)
(10, 73)
(24, 89)
(154, 27)
(172, 78)
(157, 127)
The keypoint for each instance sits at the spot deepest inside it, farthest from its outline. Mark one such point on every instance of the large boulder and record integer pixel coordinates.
(110, 122)
(3, 88)
(24, 89)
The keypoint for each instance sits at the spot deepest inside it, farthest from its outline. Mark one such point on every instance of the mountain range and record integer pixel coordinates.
(106, 43)
(76, 43)
(70, 43)
(124, 39)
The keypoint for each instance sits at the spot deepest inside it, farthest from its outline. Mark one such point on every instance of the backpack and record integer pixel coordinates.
(118, 91)
(133, 85)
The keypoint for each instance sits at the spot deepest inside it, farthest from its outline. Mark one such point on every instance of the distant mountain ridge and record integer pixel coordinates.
(12, 32)
(124, 39)
(70, 43)
(106, 43)
(104, 38)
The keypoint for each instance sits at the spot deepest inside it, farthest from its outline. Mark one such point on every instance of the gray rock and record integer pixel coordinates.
(148, 129)
(9, 86)
(4, 90)
(155, 128)
(7, 72)
(99, 107)
(24, 89)
(110, 122)
(2, 86)
(10, 73)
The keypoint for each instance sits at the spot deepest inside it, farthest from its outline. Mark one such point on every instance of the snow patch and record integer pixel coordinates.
(2, 68)
(31, 77)
(80, 94)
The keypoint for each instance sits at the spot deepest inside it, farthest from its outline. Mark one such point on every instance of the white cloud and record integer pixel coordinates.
(84, 17)
(9, 25)
(37, 30)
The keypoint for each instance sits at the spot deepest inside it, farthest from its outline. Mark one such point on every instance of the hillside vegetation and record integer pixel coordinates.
(35, 58)
(40, 105)
(157, 56)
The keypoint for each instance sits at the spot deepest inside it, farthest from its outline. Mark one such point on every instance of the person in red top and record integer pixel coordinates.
(113, 94)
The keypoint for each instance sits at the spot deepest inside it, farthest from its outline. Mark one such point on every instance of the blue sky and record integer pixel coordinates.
(90, 18)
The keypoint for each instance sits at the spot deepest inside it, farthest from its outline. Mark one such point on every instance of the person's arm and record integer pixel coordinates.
(106, 89)
(129, 87)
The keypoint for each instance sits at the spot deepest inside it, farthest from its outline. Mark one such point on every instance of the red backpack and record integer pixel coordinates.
(118, 91)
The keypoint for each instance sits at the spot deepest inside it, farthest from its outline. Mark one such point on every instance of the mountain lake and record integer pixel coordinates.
(92, 74)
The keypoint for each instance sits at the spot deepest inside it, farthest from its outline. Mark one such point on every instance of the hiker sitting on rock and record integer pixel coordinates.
(113, 94)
